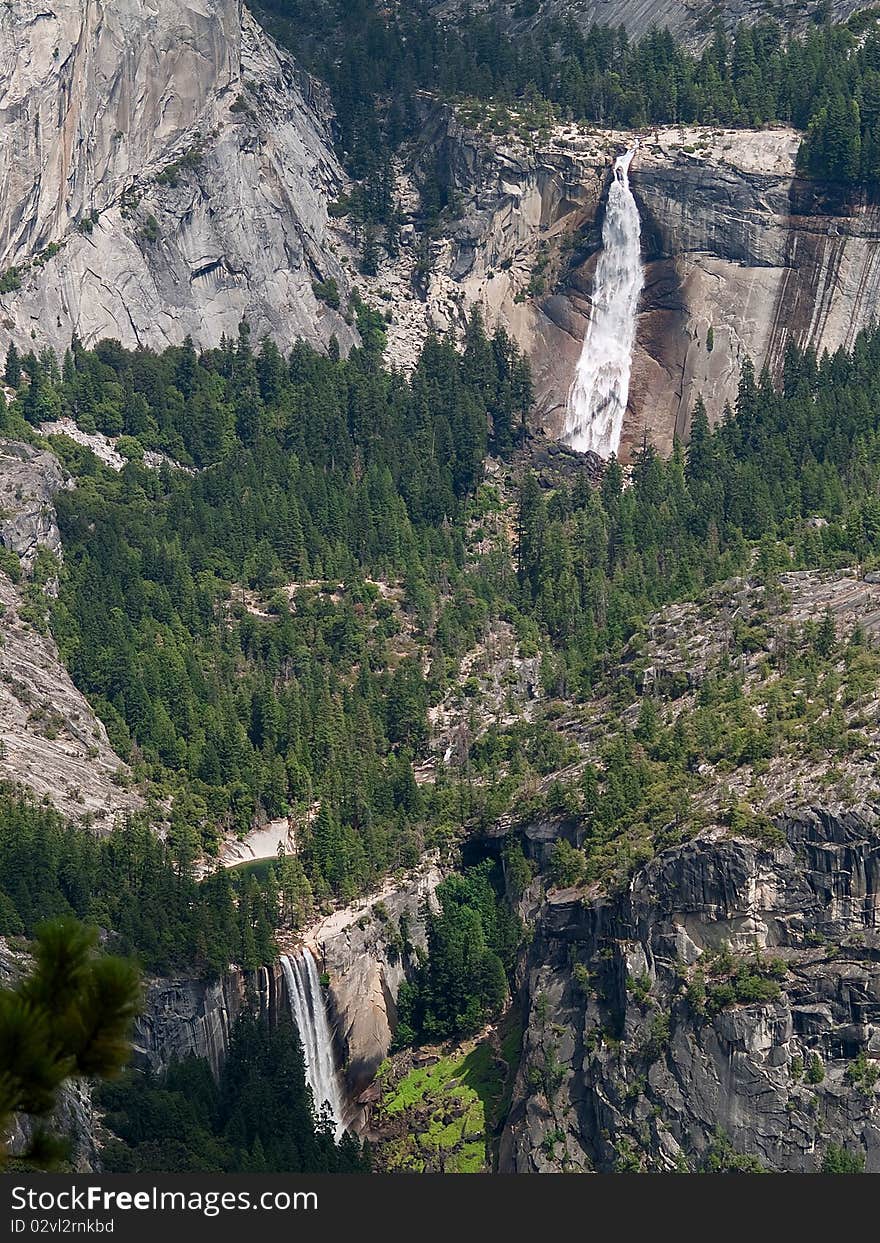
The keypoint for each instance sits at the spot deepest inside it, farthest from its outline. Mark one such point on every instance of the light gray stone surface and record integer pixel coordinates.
(97, 100)
(732, 241)
(52, 740)
(354, 947)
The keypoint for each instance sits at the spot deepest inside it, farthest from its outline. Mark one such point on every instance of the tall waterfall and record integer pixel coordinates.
(310, 1015)
(597, 401)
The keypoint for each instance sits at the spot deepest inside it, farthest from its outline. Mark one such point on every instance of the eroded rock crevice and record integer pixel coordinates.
(648, 1037)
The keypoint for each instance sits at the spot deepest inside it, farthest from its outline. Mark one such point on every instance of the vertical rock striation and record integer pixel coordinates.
(187, 1017)
(740, 255)
(164, 170)
(623, 1058)
(364, 949)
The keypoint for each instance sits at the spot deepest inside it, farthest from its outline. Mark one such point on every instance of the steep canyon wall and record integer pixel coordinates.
(624, 1058)
(358, 948)
(167, 170)
(741, 256)
(164, 170)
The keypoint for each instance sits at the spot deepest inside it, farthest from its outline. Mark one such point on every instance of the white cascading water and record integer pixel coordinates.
(310, 1015)
(598, 397)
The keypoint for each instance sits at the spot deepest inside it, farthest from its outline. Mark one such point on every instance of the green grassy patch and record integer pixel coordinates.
(451, 1108)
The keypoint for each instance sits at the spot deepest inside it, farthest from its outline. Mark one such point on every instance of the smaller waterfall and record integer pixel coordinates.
(310, 1015)
(598, 397)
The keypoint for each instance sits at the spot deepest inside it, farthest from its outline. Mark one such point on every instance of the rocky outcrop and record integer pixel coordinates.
(105, 448)
(364, 950)
(186, 1017)
(741, 258)
(52, 741)
(262, 842)
(75, 1119)
(520, 208)
(648, 1041)
(691, 23)
(165, 170)
(30, 479)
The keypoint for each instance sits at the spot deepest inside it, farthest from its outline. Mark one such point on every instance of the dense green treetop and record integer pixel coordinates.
(264, 636)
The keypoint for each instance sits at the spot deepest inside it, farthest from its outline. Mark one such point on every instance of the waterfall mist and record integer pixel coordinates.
(310, 1015)
(598, 397)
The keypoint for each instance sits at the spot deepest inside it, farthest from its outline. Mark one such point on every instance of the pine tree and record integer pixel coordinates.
(369, 252)
(12, 372)
(826, 637)
(70, 1018)
(699, 451)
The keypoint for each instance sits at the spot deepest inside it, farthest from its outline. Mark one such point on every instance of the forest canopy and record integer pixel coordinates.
(379, 61)
(264, 633)
(258, 1118)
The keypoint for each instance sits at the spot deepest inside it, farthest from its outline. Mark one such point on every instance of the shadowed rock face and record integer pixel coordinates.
(98, 100)
(185, 1017)
(679, 1076)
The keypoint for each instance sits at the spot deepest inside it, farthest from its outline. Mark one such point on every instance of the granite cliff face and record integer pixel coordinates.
(364, 949)
(690, 22)
(165, 170)
(186, 1017)
(636, 1055)
(52, 741)
(359, 947)
(519, 207)
(741, 257)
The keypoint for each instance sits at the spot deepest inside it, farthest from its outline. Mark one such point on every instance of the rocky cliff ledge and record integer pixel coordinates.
(52, 741)
(363, 948)
(186, 1017)
(728, 1000)
(30, 479)
(690, 22)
